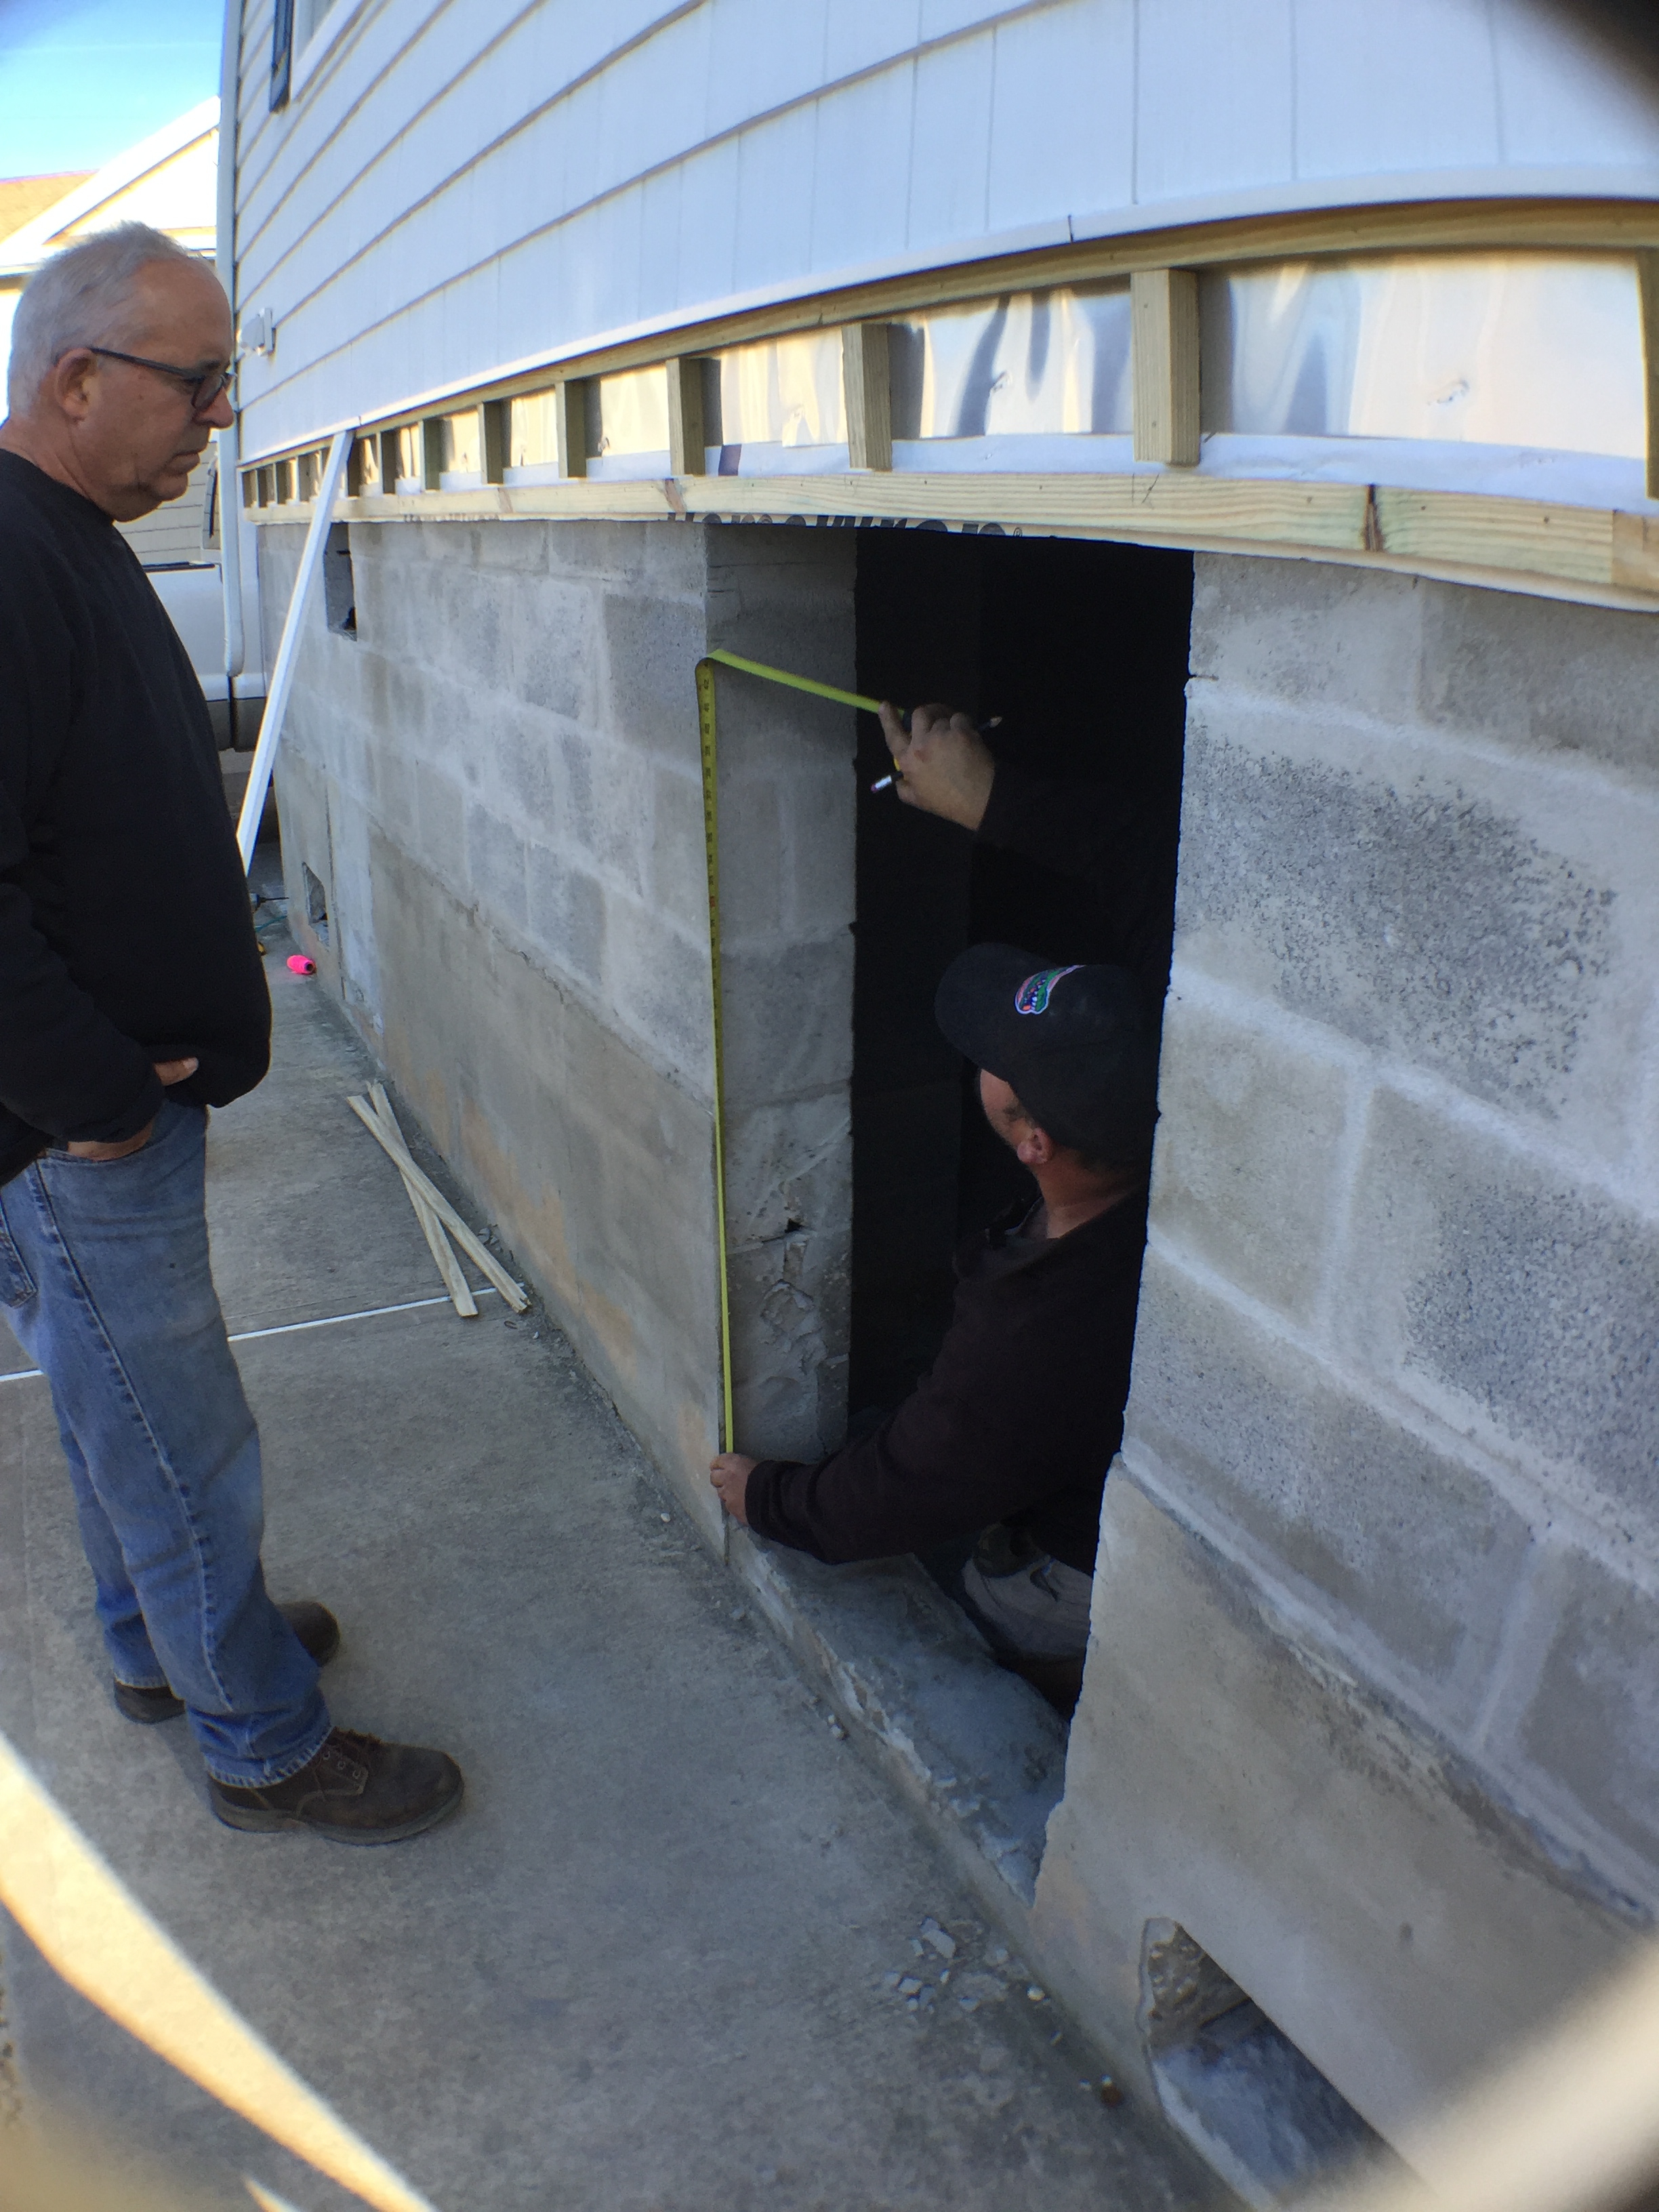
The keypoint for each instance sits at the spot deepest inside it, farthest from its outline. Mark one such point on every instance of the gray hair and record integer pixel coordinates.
(76, 299)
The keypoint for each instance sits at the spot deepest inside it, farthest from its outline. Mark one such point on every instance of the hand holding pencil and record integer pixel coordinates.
(941, 763)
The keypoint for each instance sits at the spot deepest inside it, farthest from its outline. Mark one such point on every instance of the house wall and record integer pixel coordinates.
(497, 784)
(456, 190)
(1372, 1710)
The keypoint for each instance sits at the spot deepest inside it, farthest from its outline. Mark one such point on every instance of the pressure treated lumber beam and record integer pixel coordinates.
(570, 426)
(866, 382)
(1163, 304)
(687, 445)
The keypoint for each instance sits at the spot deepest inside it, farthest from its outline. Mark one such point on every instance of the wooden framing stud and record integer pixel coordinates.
(866, 382)
(1164, 308)
(1647, 277)
(570, 426)
(432, 452)
(494, 425)
(687, 445)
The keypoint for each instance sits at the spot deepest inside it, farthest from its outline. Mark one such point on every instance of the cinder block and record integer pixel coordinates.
(605, 813)
(652, 648)
(1245, 1174)
(679, 867)
(658, 984)
(495, 866)
(520, 548)
(565, 914)
(1400, 1547)
(1590, 1729)
(1518, 1305)
(552, 645)
(766, 726)
(1382, 1902)
(753, 875)
(789, 1301)
(524, 759)
(1308, 634)
(391, 786)
(817, 811)
(789, 1169)
(1419, 917)
(1541, 675)
(439, 806)
(789, 1019)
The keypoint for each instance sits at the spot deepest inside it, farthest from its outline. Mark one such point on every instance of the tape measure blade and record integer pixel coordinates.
(709, 749)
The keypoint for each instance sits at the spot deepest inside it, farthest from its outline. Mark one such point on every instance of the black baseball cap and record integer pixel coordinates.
(1073, 1042)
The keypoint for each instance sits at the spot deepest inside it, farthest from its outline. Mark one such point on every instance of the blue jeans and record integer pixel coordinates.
(104, 1268)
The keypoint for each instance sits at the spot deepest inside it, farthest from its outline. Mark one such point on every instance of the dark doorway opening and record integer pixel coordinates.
(1081, 649)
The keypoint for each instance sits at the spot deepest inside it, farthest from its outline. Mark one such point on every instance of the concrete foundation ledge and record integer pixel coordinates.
(973, 1747)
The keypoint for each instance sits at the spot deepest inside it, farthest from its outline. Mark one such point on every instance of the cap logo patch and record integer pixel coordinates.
(1033, 995)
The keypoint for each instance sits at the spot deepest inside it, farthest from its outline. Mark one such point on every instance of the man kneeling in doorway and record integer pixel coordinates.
(1010, 1434)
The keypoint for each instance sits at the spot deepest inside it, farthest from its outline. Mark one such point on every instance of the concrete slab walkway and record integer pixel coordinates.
(651, 1964)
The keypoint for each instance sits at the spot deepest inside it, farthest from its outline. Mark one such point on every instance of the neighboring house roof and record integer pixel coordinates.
(167, 180)
(22, 199)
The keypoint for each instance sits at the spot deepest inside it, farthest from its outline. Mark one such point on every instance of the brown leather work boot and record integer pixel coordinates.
(314, 1624)
(356, 1790)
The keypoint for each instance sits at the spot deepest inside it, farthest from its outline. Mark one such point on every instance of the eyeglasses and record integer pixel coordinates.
(206, 387)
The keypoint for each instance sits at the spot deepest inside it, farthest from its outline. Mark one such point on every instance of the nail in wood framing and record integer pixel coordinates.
(687, 446)
(867, 382)
(1163, 304)
(1647, 273)
(493, 429)
(570, 426)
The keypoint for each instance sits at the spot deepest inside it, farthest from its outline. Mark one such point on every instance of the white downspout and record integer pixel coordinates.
(229, 442)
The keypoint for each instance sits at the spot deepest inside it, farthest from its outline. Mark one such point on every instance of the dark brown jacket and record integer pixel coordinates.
(1017, 1421)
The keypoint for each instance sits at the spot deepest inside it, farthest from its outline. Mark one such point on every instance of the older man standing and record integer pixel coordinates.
(132, 998)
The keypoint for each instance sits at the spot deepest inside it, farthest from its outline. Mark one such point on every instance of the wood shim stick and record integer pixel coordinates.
(468, 1242)
(1164, 315)
(432, 1229)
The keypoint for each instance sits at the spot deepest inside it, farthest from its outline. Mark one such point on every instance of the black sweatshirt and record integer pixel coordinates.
(1017, 1422)
(125, 930)
(1116, 844)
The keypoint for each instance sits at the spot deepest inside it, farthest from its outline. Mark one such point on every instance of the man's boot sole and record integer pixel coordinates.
(258, 1819)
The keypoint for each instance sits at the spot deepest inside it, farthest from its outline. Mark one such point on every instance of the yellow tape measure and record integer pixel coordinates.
(705, 724)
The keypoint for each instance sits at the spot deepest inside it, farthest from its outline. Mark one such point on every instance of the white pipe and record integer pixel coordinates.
(229, 442)
(282, 677)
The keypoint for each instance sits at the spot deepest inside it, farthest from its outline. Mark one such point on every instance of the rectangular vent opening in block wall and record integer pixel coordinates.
(1255, 2107)
(339, 584)
(316, 903)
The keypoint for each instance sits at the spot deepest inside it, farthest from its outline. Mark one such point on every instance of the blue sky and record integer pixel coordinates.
(81, 79)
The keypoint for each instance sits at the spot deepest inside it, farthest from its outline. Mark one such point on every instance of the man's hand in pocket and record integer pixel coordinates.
(170, 1071)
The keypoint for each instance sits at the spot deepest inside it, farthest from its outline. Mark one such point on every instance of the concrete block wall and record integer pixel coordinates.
(1373, 1710)
(498, 782)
